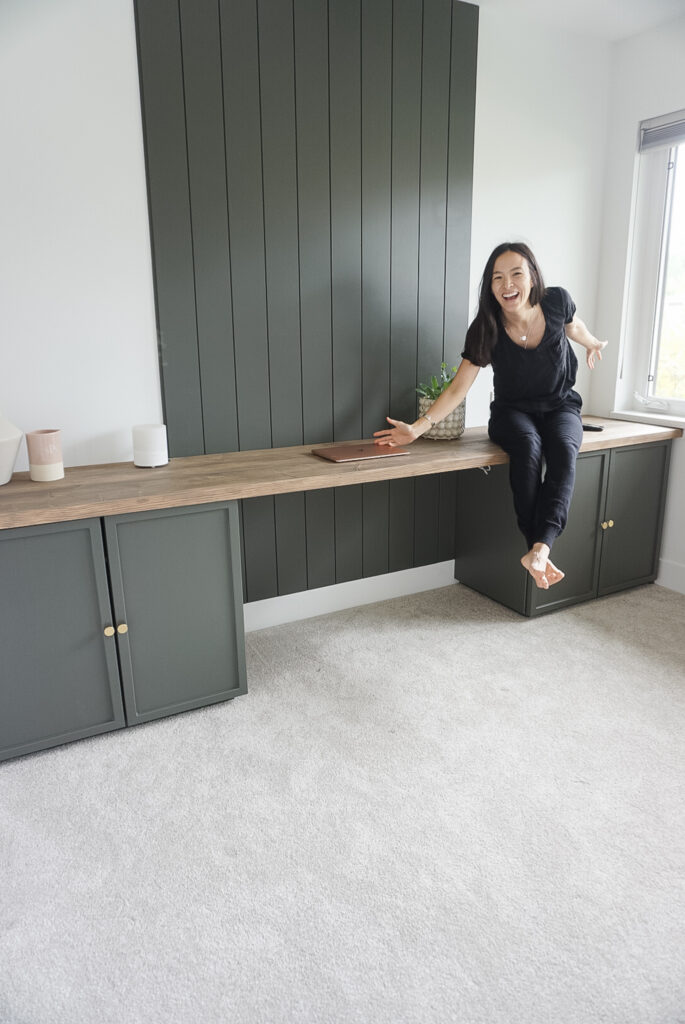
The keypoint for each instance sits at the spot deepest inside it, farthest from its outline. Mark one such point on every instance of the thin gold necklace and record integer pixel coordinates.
(522, 337)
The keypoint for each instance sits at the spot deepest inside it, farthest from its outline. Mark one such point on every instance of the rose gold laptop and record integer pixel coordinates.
(356, 452)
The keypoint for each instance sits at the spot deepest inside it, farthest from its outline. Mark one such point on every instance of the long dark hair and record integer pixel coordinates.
(482, 333)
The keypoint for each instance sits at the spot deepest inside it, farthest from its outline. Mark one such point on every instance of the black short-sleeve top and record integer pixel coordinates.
(542, 378)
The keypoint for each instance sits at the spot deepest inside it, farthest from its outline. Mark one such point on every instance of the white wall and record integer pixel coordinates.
(78, 341)
(541, 109)
(647, 81)
(78, 338)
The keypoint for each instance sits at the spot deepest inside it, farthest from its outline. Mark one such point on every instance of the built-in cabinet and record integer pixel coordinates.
(135, 612)
(611, 541)
(112, 622)
(60, 677)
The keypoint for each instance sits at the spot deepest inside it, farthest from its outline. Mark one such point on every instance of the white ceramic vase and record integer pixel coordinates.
(10, 439)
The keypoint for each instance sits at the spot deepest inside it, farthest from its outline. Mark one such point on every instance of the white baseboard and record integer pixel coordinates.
(276, 610)
(671, 575)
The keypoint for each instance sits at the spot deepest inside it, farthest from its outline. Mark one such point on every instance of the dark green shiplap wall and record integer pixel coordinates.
(309, 176)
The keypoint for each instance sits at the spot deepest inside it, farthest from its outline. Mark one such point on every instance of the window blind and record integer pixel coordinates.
(667, 130)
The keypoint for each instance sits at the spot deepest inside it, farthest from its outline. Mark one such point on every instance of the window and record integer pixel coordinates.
(654, 357)
(666, 378)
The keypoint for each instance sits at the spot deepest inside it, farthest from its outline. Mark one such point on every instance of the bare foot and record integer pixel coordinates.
(553, 574)
(535, 561)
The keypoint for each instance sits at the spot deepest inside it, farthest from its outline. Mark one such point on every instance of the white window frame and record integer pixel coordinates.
(651, 198)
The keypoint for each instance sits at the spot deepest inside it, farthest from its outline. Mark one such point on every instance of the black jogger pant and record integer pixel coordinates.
(541, 505)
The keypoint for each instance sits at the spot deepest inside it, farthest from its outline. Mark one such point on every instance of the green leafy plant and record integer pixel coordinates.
(437, 385)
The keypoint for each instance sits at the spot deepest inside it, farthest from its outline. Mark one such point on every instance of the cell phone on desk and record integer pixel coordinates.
(593, 426)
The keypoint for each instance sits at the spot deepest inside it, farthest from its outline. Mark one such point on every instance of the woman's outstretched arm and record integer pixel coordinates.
(578, 332)
(404, 433)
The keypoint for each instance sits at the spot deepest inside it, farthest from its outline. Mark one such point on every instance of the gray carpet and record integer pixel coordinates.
(425, 810)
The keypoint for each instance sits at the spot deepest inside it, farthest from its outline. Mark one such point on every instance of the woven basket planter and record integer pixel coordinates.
(449, 428)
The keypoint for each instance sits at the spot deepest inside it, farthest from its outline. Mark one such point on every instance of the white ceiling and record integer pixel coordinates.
(607, 19)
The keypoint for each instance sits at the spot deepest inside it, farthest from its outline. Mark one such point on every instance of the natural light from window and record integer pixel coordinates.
(667, 369)
(651, 377)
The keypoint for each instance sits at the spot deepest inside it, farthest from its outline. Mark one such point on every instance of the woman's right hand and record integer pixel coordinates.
(398, 435)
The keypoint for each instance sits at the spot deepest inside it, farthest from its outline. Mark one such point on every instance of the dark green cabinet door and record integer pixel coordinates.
(58, 672)
(489, 545)
(177, 591)
(576, 551)
(611, 541)
(613, 536)
(633, 515)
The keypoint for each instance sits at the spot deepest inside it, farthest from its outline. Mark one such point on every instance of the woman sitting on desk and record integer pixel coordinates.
(523, 328)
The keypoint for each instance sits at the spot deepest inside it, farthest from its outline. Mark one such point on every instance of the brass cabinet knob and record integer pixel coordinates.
(611, 522)
(604, 526)
(109, 630)
(123, 628)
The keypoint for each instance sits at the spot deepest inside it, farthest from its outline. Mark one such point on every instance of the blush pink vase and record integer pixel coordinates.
(45, 455)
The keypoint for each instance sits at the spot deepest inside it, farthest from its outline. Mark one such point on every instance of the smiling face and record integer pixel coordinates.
(512, 282)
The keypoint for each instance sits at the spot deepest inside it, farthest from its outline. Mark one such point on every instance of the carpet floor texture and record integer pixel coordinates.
(426, 810)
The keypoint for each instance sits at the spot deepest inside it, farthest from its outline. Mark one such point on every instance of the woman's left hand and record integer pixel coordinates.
(595, 349)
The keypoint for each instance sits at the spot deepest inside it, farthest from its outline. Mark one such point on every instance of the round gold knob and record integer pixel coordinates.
(604, 526)
(109, 630)
(123, 628)
(611, 522)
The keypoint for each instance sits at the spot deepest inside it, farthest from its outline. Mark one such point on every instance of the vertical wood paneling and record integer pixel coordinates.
(462, 109)
(435, 80)
(460, 173)
(344, 55)
(448, 495)
(291, 543)
(246, 218)
(309, 171)
(426, 520)
(314, 214)
(202, 74)
(242, 130)
(279, 161)
(320, 524)
(259, 548)
(376, 99)
(406, 170)
(375, 508)
(345, 172)
(401, 525)
(162, 98)
(435, 84)
(376, 166)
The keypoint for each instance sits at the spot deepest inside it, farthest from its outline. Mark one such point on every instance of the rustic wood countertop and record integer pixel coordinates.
(121, 487)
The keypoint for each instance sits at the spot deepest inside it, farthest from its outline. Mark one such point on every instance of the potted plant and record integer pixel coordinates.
(453, 425)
